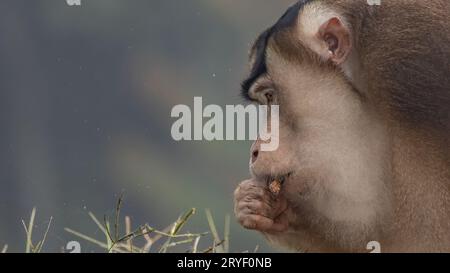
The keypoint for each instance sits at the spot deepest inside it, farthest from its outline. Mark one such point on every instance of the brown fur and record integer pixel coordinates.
(371, 153)
(405, 51)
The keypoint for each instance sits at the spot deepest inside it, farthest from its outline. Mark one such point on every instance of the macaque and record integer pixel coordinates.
(364, 128)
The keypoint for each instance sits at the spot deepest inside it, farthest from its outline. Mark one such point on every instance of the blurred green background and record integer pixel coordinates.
(86, 94)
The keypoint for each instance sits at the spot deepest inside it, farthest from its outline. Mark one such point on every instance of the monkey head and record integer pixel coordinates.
(335, 155)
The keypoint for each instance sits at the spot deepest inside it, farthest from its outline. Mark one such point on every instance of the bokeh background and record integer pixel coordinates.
(85, 100)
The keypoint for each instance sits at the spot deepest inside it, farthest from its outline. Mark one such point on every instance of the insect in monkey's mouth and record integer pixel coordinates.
(275, 183)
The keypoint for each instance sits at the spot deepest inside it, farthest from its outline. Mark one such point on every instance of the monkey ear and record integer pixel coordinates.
(337, 40)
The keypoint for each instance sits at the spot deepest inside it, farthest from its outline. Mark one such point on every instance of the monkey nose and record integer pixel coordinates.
(255, 154)
(254, 151)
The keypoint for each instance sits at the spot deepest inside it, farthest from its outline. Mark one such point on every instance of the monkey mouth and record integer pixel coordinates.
(280, 178)
(275, 184)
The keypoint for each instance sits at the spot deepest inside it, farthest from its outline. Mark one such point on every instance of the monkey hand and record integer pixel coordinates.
(259, 209)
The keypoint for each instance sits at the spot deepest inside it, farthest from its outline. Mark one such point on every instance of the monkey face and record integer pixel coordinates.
(333, 148)
(363, 154)
(329, 140)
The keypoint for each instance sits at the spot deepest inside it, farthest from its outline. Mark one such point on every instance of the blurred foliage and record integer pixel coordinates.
(86, 94)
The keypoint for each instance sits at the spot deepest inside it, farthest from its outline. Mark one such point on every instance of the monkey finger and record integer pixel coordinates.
(256, 193)
(249, 186)
(257, 208)
(256, 222)
(281, 223)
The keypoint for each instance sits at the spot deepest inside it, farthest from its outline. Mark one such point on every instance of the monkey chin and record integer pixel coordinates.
(338, 238)
(321, 221)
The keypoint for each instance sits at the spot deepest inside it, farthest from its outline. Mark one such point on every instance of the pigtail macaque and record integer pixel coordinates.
(364, 152)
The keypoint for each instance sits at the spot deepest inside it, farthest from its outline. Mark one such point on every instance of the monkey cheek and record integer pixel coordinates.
(256, 222)
(261, 223)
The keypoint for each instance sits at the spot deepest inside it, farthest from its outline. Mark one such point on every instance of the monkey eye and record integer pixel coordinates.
(262, 94)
